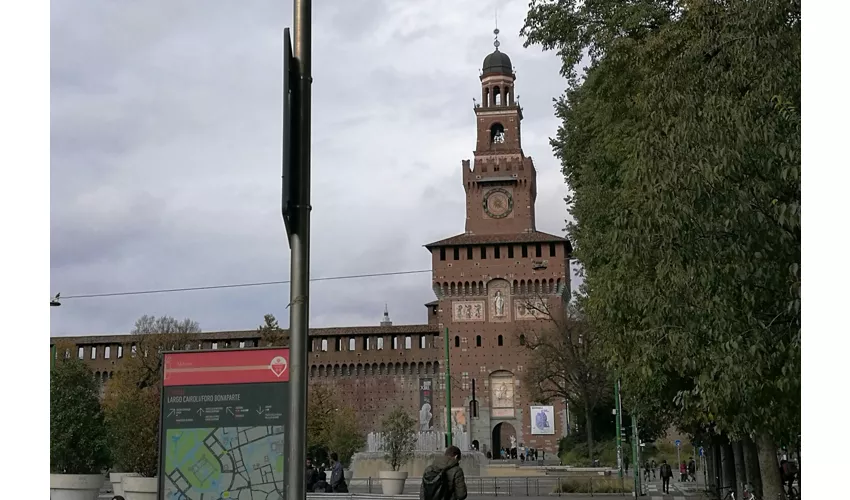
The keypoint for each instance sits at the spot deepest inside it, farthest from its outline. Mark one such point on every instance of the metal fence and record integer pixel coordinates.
(532, 486)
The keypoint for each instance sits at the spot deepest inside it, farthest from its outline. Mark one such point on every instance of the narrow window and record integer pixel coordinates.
(133, 350)
(215, 345)
(501, 340)
(524, 251)
(81, 352)
(120, 351)
(457, 341)
(338, 344)
(241, 344)
(422, 341)
(379, 344)
(442, 254)
(227, 344)
(456, 252)
(67, 354)
(94, 352)
(522, 340)
(324, 345)
(395, 343)
(483, 252)
(478, 341)
(106, 352)
(538, 250)
(552, 251)
(351, 344)
(510, 251)
(408, 342)
(497, 252)
(367, 343)
(468, 253)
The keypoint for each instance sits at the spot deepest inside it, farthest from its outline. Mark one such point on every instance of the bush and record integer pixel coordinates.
(78, 443)
(576, 454)
(595, 485)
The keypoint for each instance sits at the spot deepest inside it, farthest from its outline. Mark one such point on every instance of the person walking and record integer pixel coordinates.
(444, 479)
(337, 475)
(666, 472)
(654, 465)
(692, 470)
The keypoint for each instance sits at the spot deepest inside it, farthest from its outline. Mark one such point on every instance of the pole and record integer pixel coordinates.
(448, 391)
(619, 424)
(299, 243)
(52, 356)
(636, 454)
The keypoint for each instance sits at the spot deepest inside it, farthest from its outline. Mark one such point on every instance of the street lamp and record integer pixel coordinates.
(54, 302)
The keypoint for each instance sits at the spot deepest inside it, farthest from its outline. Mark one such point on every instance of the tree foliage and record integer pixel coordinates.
(132, 397)
(271, 334)
(681, 145)
(331, 426)
(564, 363)
(77, 435)
(398, 429)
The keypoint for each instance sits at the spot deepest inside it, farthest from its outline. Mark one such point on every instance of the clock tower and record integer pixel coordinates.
(501, 184)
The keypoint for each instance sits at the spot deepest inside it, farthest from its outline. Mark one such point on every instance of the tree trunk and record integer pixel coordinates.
(751, 461)
(712, 459)
(740, 469)
(727, 467)
(771, 482)
(588, 428)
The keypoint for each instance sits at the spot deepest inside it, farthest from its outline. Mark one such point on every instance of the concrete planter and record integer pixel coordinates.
(75, 486)
(115, 479)
(392, 482)
(139, 488)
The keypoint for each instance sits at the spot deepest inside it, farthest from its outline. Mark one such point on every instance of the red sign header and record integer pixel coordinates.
(236, 366)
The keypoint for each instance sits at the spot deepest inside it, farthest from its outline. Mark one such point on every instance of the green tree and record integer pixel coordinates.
(331, 426)
(132, 397)
(271, 334)
(78, 443)
(681, 145)
(400, 438)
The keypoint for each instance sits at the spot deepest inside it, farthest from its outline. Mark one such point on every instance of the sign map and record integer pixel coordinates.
(224, 440)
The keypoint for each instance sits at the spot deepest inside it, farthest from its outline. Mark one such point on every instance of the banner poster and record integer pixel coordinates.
(542, 420)
(426, 404)
(222, 422)
(459, 421)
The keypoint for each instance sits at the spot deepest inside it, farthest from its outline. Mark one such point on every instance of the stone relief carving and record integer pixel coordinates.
(468, 310)
(526, 309)
(499, 294)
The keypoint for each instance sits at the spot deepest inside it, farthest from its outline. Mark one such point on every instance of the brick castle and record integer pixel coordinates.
(484, 280)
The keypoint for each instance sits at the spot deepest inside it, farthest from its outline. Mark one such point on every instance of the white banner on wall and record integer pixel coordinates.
(542, 420)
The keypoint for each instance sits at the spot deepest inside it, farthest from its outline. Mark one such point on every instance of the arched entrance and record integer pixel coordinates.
(502, 433)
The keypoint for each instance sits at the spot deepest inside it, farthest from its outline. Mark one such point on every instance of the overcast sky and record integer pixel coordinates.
(166, 139)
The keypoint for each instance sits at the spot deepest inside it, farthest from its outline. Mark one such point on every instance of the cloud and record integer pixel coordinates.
(165, 145)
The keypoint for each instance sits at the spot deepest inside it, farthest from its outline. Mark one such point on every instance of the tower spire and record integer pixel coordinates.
(496, 31)
(386, 321)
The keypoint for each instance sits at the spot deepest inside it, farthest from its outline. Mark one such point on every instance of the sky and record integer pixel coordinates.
(166, 154)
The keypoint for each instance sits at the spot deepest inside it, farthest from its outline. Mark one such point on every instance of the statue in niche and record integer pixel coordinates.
(499, 304)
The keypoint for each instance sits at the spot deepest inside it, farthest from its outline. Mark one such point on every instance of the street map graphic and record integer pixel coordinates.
(222, 424)
(240, 463)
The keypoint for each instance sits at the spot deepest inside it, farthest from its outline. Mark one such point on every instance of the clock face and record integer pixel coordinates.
(498, 203)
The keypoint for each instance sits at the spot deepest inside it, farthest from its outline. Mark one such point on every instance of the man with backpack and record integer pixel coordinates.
(443, 480)
(666, 472)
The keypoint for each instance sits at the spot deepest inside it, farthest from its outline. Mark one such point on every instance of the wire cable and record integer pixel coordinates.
(237, 285)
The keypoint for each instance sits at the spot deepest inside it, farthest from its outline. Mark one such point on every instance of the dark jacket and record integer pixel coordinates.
(454, 477)
(311, 475)
(338, 479)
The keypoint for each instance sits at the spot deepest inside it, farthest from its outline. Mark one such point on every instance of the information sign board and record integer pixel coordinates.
(222, 424)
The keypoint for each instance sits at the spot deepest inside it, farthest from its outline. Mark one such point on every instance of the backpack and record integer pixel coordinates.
(435, 484)
(666, 471)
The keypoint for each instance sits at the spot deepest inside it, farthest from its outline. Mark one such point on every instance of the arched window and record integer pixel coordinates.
(501, 340)
(478, 341)
(457, 341)
(522, 340)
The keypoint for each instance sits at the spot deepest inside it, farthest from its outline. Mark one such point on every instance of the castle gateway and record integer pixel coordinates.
(490, 283)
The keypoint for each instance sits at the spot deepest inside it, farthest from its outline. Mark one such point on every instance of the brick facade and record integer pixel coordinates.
(482, 279)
